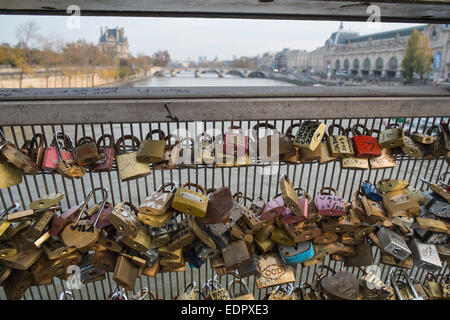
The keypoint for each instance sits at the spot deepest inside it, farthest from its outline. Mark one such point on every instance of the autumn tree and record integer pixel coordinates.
(418, 56)
(161, 58)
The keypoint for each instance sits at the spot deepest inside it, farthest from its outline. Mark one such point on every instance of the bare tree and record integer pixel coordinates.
(26, 34)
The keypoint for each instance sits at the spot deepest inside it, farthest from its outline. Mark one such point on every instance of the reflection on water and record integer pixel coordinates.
(187, 79)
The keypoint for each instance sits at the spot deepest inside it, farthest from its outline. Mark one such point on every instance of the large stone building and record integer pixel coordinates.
(114, 42)
(379, 54)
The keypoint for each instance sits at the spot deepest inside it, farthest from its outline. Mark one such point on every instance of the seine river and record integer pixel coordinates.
(187, 79)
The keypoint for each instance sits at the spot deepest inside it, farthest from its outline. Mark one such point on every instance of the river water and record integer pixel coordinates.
(187, 79)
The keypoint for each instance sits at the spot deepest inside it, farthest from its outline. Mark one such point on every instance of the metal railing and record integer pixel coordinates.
(86, 115)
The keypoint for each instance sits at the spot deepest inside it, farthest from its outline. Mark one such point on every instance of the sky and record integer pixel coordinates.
(189, 38)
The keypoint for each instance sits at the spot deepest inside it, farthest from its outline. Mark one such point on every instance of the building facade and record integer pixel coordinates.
(113, 42)
(296, 60)
(379, 54)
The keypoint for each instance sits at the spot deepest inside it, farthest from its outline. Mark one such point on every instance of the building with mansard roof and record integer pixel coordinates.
(379, 54)
(114, 42)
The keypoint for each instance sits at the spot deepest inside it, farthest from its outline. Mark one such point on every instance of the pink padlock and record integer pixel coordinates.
(273, 208)
(51, 157)
(289, 217)
(330, 205)
(235, 143)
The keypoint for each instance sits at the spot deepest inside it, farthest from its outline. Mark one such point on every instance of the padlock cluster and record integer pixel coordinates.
(188, 224)
(134, 159)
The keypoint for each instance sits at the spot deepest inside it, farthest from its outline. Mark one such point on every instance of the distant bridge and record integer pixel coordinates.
(221, 72)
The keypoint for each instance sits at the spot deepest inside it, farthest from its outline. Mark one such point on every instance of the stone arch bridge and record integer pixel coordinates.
(221, 72)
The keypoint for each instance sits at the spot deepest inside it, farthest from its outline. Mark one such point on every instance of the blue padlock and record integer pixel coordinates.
(294, 255)
(371, 192)
(194, 260)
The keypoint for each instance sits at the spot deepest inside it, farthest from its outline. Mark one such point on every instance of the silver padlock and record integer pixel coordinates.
(393, 243)
(150, 256)
(432, 237)
(204, 252)
(87, 270)
(436, 206)
(425, 255)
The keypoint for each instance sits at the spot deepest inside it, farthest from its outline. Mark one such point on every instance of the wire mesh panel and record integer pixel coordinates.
(255, 180)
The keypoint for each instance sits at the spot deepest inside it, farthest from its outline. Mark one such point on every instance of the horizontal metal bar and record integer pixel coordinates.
(433, 11)
(153, 110)
(222, 92)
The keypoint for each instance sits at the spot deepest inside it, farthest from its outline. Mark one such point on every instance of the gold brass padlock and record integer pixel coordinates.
(152, 151)
(399, 203)
(141, 242)
(339, 145)
(156, 221)
(47, 201)
(411, 148)
(289, 196)
(190, 201)
(391, 137)
(281, 236)
(81, 234)
(432, 287)
(10, 175)
(123, 218)
(125, 273)
(55, 249)
(386, 185)
(127, 164)
(309, 135)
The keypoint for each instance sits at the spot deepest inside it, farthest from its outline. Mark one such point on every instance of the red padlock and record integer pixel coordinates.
(273, 208)
(51, 158)
(235, 143)
(106, 154)
(365, 146)
(330, 205)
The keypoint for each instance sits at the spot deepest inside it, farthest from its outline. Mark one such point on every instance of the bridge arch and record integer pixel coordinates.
(257, 74)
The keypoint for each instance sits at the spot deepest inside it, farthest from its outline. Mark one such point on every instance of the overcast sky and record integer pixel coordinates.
(190, 38)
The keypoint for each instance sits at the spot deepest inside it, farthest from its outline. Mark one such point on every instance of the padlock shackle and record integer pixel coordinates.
(103, 139)
(355, 131)
(441, 179)
(303, 193)
(28, 145)
(240, 195)
(68, 143)
(288, 132)
(321, 191)
(393, 282)
(2, 137)
(192, 184)
(341, 129)
(233, 282)
(11, 209)
(84, 140)
(161, 134)
(133, 147)
(83, 209)
(174, 185)
(256, 128)
(431, 129)
(391, 126)
(170, 136)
